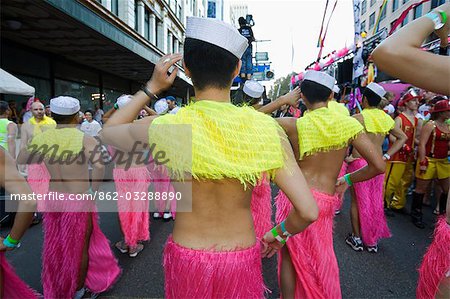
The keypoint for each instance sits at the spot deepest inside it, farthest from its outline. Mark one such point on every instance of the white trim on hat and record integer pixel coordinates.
(64, 105)
(321, 78)
(253, 89)
(217, 33)
(336, 89)
(377, 89)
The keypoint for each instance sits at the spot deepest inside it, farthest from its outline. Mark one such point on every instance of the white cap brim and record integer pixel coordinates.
(217, 33)
(64, 105)
(321, 78)
(377, 89)
(253, 89)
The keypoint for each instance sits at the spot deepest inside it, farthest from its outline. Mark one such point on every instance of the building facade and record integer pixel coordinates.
(237, 10)
(370, 10)
(94, 50)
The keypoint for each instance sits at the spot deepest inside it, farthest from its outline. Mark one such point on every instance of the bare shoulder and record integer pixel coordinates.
(287, 123)
(359, 117)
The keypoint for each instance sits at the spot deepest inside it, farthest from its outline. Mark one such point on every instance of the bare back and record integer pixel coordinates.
(321, 169)
(220, 217)
(376, 139)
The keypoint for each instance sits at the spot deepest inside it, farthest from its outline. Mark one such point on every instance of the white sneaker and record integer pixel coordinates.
(156, 215)
(167, 216)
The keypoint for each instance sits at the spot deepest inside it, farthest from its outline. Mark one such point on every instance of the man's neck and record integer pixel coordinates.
(213, 94)
(316, 106)
(38, 120)
(409, 112)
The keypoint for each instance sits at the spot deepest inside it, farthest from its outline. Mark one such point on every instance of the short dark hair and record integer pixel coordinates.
(242, 21)
(4, 106)
(315, 92)
(372, 98)
(63, 119)
(210, 65)
(89, 111)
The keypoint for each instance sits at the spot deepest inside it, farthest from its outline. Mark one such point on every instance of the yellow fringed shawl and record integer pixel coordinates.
(324, 129)
(66, 142)
(377, 121)
(46, 122)
(338, 107)
(216, 140)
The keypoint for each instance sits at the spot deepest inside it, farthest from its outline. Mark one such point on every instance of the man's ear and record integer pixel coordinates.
(238, 69)
(186, 70)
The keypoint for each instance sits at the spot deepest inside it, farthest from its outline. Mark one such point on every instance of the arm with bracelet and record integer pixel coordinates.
(16, 184)
(400, 55)
(304, 207)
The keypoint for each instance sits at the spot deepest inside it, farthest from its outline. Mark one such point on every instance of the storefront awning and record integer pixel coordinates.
(11, 85)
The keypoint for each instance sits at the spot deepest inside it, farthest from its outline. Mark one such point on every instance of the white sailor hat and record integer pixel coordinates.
(320, 78)
(123, 100)
(161, 106)
(336, 89)
(377, 89)
(217, 33)
(253, 89)
(64, 105)
(389, 109)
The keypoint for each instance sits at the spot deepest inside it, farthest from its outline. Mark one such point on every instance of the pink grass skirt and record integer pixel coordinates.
(162, 184)
(193, 273)
(311, 251)
(436, 262)
(261, 206)
(39, 180)
(369, 196)
(133, 214)
(13, 286)
(64, 234)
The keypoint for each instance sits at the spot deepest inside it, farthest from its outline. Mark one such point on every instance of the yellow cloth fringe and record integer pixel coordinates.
(67, 142)
(338, 107)
(46, 122)
(324, 129)
(377, 121)
(216, 140)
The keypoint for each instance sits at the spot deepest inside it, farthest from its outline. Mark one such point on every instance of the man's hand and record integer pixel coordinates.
(160, 81)
(271, 245)
(292, 98)
(341, 186)
(3, 248)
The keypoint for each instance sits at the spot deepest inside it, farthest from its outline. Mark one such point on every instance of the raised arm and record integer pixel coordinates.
(292, 98)
(400, 55)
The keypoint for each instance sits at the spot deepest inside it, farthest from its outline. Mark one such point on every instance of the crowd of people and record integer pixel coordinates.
(221, 159)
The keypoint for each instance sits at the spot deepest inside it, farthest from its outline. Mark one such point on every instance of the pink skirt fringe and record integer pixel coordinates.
(312, 252)
(162, 184)
(261, 206)
(436, 262)
(212, 274)
(133, 214)
(369, 197)
(64, 234)
(13, 286)
(39, 180)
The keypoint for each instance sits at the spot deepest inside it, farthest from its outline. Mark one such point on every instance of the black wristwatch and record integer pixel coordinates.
(150, 94)
(443, 51)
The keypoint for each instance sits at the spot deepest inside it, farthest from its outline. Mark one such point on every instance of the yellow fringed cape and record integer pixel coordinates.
(324, 129)
(216, 140)
(377, 121)
(46, 123)
(338, 107)
(58, 143)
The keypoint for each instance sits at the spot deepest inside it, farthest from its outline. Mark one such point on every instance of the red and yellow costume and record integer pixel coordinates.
(399, 170)
(437, 148)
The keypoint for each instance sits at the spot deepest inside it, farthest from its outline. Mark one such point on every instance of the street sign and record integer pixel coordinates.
(261, 56)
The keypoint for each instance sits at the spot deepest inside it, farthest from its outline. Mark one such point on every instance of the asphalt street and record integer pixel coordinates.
(391, 273)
